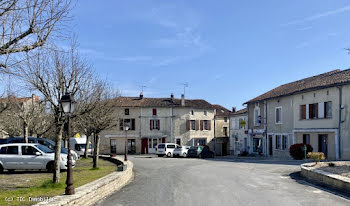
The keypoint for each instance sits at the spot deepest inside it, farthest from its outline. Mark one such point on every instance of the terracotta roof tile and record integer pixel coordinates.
(160, 102)
(240, 112)
(327, 79)
(221, 111)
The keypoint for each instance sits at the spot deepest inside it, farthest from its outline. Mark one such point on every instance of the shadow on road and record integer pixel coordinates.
(299, 179)
(260, 161)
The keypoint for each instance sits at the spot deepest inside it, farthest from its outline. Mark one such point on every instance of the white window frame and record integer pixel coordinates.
(194, 125)
(205, 129)
(278, 108)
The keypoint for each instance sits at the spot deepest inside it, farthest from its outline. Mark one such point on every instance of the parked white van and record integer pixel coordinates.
(78, 145)
(26, 156)
(166, 149)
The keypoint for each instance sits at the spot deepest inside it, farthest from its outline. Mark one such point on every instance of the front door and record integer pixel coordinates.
(144, 146)
(323, 144)
(270, 145)
(113, 146)
(131, 146)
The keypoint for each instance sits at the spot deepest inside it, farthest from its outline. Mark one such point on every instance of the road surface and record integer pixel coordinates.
(170, 181)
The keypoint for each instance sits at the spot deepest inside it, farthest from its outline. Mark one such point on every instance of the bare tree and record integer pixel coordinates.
(101, 117)
(54, 73)
(19, 115)
(28, 24)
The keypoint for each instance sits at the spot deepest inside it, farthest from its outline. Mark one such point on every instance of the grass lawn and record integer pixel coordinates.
(27, 184)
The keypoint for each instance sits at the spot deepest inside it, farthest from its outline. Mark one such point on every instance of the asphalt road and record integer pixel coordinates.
(168, 181)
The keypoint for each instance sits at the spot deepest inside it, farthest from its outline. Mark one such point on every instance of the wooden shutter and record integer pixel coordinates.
(209, 124)
(150, 124)
(158, 124)
(202, 122)
(303, 111)
(197, 124)
(188, 125)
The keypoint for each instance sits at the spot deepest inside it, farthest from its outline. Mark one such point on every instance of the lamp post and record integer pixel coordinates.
(68, 106)
(126, 143)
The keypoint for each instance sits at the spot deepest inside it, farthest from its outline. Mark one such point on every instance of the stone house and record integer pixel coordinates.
(239, 132)
(21, 102)
(158, 120)
(222, 130)
(313, 110)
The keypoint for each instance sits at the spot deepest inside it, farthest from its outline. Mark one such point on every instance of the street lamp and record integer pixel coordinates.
(68, 107)
(126, 143)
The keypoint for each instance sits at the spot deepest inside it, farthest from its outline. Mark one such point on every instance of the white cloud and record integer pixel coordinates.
(318, 16)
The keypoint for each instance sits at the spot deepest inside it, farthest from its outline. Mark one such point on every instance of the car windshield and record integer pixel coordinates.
(44, 148)
(194, 147)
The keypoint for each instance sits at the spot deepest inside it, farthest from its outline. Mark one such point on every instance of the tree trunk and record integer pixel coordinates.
(56, 172)
(86, 147)
(96, 150)
(25, 132)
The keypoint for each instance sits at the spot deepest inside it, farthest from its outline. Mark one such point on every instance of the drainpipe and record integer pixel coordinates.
(340, 121)
(171, 126)
(265, 128)
(141, 131)
(215, 135)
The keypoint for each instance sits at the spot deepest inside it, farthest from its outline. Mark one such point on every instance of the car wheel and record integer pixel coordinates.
(50, 167)
(169, 154)
(11, 171)
(1, 169)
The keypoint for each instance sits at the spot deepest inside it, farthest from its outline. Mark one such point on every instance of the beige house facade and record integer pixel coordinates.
(239, 132)
(158, 120)
(313, 111)
(222, 130)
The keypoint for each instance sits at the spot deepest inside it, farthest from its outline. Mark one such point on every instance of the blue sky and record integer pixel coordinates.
(227, 51)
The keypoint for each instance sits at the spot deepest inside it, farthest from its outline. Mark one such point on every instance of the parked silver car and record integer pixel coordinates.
(27, 156)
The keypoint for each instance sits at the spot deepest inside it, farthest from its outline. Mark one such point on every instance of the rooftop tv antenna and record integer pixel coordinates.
(142, 87)
(185, 85)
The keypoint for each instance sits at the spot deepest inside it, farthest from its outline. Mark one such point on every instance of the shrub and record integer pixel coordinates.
(317, 156)
(297, 151)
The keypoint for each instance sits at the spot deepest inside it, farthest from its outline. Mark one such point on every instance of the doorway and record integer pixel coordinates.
(131, 146)
(270, 145)
(144, 146)
(113, 144)
(323, 144)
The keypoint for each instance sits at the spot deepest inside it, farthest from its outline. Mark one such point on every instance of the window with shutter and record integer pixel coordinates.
(154, 111)
(201, 122)
(150, 124)
(158, 124)
(197, 125)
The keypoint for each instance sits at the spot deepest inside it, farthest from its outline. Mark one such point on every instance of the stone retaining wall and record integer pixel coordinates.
(327, 179)
(95, 191)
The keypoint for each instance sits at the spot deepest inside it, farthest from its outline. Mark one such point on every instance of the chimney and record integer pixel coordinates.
(141, 95)
(233, 109)
(182, 100)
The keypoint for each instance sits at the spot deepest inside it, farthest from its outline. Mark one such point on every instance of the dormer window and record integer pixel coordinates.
(126, 111)
(192, 112)
(205, 112)
(154, 111)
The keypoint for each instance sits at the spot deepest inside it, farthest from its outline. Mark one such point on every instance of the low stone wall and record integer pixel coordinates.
(324, 178)
(95, 191)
